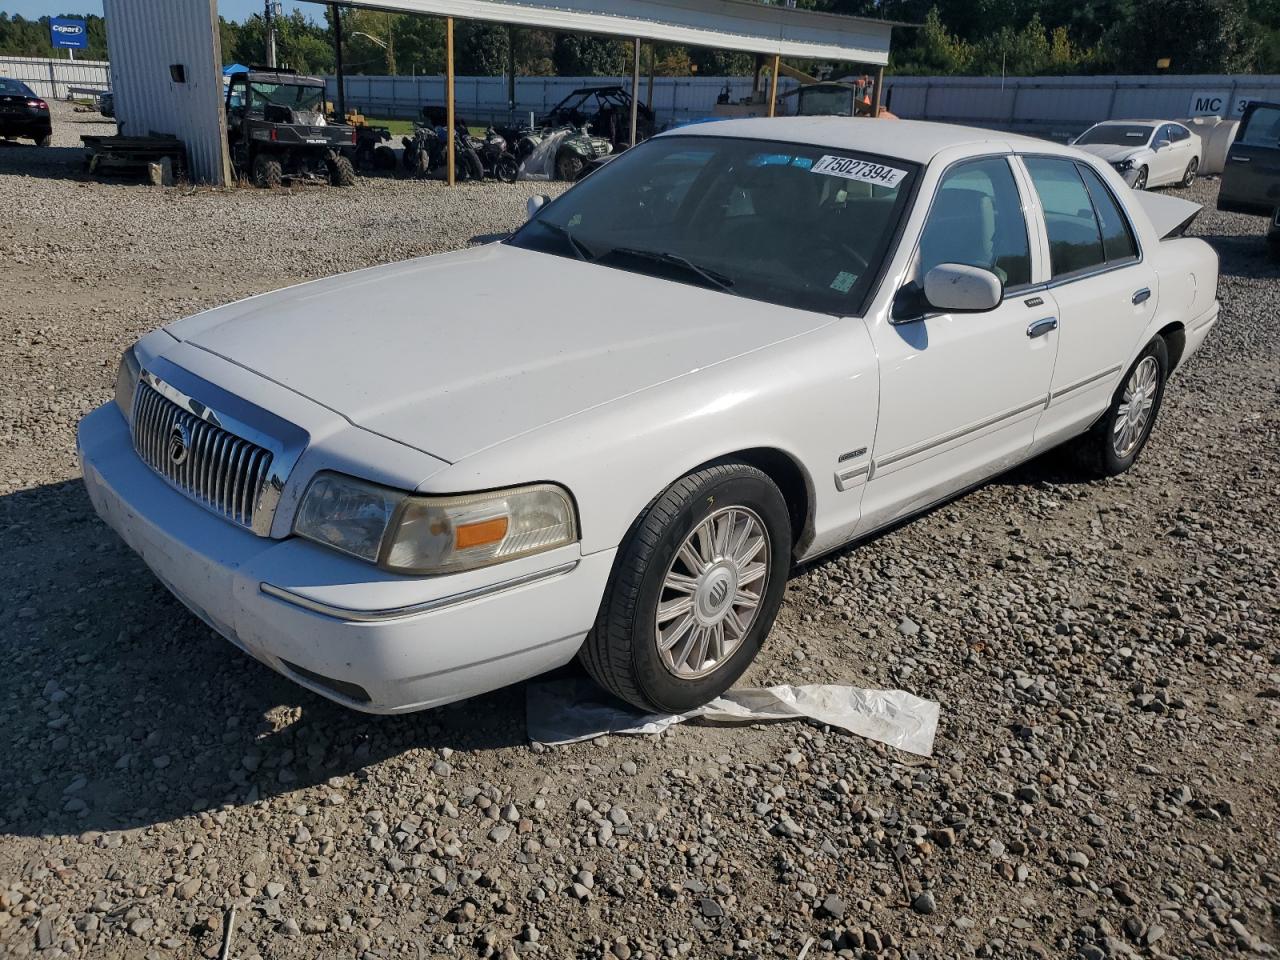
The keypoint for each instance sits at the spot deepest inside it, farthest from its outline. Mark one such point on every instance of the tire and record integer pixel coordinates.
(267, 173)
(45, 141)
(622, 653)
(1189, 177)
(1107, 451)
(471, 168)
(506, 169)
(384, 159)
(417, 162)
(569, 166)
(341, 172)
(1140, 181)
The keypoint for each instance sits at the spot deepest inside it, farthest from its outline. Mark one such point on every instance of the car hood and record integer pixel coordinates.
(1112, 152)
(454, 353)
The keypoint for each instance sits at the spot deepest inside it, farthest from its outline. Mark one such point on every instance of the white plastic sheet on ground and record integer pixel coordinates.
(541, 164)
(575, 709)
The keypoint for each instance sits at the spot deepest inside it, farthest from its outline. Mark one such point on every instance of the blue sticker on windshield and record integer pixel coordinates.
(770, 160)
(804, 163)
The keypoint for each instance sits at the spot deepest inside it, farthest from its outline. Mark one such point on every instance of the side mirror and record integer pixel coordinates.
(536, 203)
(1162, 144)
(960, 288)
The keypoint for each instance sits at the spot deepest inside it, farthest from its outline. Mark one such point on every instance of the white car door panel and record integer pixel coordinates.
(1104, 293)
(961, 393)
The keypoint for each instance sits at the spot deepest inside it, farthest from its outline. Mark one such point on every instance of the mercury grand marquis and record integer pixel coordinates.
(782, 335)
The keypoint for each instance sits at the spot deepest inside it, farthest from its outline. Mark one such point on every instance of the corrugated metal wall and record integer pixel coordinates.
(484, 99)
(146, 38)
(55, 79)
(1066, 105)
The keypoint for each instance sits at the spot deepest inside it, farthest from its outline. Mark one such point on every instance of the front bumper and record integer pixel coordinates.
(365, 638)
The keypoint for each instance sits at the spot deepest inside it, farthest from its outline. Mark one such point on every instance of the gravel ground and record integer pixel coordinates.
(1106, 776)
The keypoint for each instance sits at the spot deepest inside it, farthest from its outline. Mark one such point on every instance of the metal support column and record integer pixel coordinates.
(649, 97)
(448, 96)
(635, 89)
(340, 102)
(877, 92)
(773, 86)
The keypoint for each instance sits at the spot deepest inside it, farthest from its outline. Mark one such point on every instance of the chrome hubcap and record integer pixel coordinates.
(1134, 412)
(712, 591)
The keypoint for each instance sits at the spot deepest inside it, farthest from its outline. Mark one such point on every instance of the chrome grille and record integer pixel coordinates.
(219, 469)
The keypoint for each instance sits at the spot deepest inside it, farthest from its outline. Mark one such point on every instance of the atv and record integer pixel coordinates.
(278, 131)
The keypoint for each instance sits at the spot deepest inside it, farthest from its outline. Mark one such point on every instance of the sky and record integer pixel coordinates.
(231, 9)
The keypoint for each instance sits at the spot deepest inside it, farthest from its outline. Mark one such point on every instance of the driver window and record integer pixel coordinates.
(235, 95)
(976, 219)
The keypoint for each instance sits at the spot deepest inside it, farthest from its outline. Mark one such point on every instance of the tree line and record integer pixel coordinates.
(955, 37)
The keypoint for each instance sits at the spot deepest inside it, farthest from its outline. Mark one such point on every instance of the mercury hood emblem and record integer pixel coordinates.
(179, 444)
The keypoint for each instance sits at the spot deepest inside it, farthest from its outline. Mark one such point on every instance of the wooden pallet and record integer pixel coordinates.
(119, 154)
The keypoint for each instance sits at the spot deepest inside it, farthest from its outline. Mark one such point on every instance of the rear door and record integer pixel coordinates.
(1105, 292)
(1251, 177)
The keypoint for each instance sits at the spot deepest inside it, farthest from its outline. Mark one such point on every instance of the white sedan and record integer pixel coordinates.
(735, 347)
(1147, 153)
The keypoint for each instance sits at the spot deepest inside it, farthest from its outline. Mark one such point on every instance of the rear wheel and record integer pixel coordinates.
(1189, 177)
(341, 172)
(1140, 182)
(267, 172)
(384, 158)
(45, 140)
(694, 590)
(472, 168)
(1113, 444)
(506, 169)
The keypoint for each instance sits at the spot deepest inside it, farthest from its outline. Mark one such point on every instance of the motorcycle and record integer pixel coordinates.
(424, 153)
(497, 160)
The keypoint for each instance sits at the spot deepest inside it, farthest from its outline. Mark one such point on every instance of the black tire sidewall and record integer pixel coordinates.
(1112, 464)
(747, 489)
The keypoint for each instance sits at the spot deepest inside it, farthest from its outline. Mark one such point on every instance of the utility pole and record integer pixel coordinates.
(337, 50)
(269, 16)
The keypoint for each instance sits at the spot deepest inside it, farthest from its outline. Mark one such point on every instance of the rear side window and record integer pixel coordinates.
(1075, 240)
(1180, 133)
(976, 219)
(1263, 129)
(1117, 238)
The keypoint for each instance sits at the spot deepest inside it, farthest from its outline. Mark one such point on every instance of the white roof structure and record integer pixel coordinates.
(748, 26)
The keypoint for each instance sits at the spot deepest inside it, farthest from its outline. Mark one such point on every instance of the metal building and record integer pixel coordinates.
(166, 56)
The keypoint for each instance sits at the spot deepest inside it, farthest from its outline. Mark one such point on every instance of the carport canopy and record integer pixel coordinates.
(743, 25)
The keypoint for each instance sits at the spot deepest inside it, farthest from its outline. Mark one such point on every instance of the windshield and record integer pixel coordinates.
(292, 95)
(800, 226)
(1131, 134)
(826, 102)
(14, 88)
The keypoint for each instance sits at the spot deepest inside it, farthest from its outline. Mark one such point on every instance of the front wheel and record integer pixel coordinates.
(341, 172)
(1140, 182)
(267, 172)
(506, 169)
(1189, 177)
(569, 166)
(694, 590)
(1113, 444)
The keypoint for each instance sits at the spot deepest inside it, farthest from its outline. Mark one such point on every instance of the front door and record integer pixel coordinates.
(1251, 178)
(960, 394)
(1105, 294)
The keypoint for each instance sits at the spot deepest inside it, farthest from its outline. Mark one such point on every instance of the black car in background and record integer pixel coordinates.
(23, 114)
(1251, 179)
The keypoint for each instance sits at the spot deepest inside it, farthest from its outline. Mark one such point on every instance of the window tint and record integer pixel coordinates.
(1117, 238)
(1263, 129)
(976, 219)
(1074, 240)
(1180, 133)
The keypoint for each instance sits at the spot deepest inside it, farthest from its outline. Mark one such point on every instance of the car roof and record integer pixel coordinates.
(916, 140)
(1135, 122)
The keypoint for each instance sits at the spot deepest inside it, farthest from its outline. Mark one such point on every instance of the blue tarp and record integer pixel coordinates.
(234, 68)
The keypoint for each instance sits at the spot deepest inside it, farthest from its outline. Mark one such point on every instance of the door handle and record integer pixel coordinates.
(1142, 296)
(1239, 159)
(1041, 327)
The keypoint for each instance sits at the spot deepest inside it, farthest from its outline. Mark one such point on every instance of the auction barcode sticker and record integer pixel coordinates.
(863, 170)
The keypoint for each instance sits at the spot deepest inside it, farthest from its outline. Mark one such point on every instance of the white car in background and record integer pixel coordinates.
(430, 479)
(1146, 153)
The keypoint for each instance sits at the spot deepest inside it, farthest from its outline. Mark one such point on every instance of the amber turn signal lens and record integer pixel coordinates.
(478, 534)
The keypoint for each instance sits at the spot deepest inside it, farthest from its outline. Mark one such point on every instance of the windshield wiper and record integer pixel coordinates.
(579, 250)
(718, 280)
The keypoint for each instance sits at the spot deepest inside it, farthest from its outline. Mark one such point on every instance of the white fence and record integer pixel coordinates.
(1066, 105)
(56, 79)
(484, 99)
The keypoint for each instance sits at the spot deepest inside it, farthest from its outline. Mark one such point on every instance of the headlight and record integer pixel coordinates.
(127, 375)
(1123, 165)
(407, 533)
